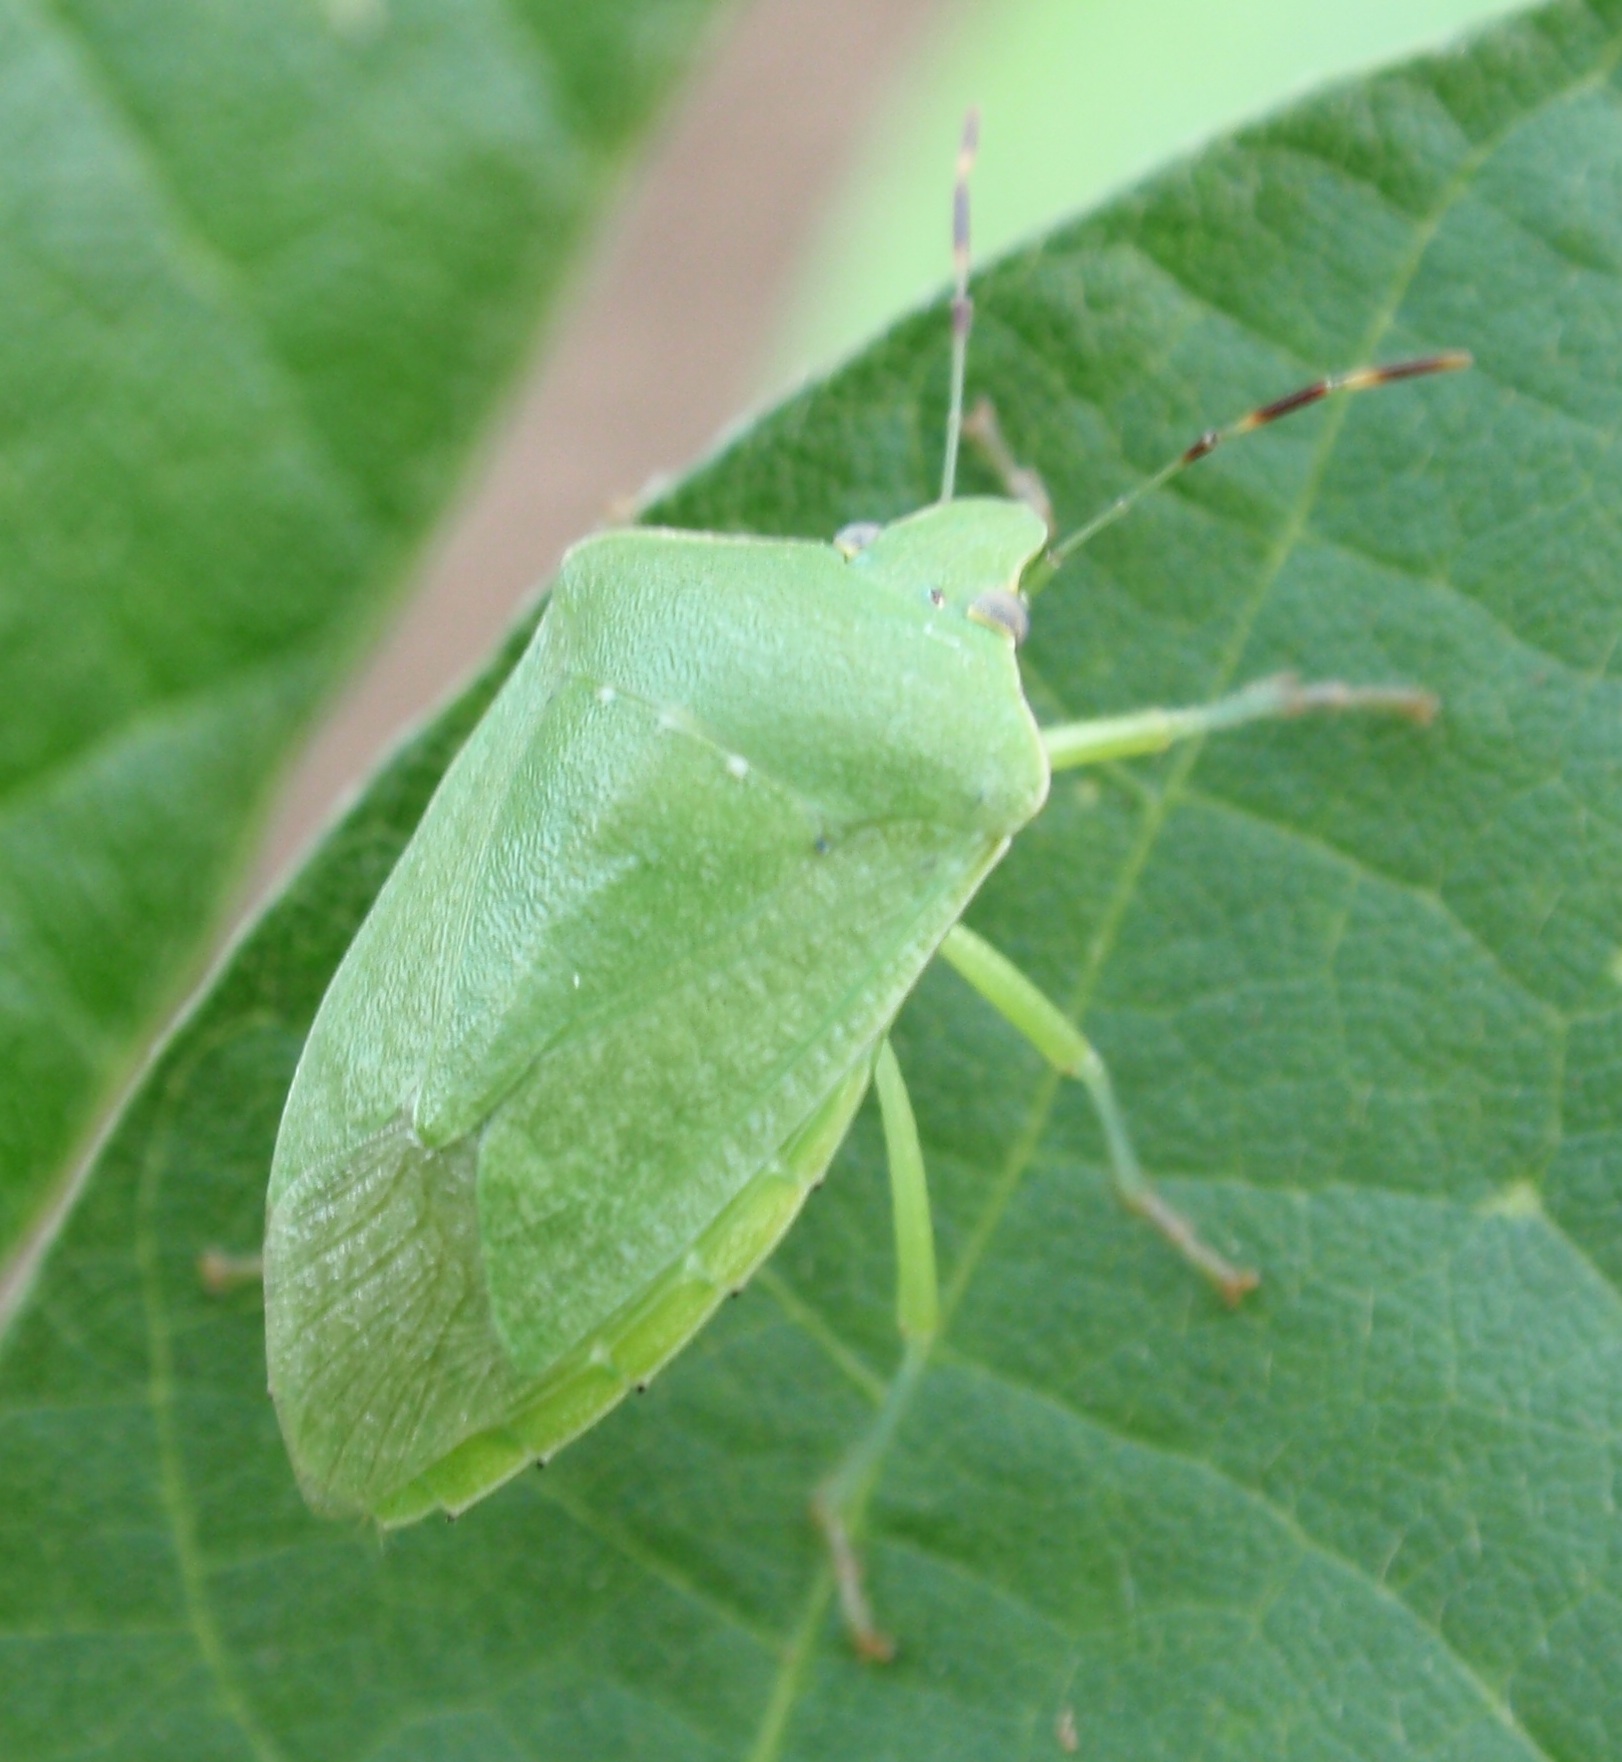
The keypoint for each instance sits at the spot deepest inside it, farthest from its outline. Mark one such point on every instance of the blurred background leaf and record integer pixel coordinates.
(1358, 985)
(265, 271)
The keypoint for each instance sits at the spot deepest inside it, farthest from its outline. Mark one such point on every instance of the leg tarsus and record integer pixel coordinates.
(872, 1644)
(1335, 696)
(838, 1504)
(223, 1273)
(1233, 1283)
(1143, 1199)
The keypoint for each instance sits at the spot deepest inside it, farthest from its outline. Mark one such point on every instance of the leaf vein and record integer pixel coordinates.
(1288, 1523)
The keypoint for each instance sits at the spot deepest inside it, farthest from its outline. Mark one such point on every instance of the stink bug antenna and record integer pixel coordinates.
(1359, 379)
(962, 305)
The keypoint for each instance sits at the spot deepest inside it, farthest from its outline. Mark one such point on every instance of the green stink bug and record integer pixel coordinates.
(611, 1016)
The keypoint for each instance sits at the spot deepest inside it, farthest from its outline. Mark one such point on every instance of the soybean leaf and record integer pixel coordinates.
(265, 269)
(1359, 987)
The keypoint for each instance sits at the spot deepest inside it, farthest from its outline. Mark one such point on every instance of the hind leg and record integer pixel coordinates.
(1070, 1052)
(839, 1502)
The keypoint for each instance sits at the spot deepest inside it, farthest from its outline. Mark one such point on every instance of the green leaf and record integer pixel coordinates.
(265, 269)
(1359, 987)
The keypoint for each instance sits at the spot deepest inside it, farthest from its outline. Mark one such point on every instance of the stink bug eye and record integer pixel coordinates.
(1002, 609)
(612, 1014)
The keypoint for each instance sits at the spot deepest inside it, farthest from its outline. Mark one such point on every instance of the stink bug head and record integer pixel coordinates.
(964, 559)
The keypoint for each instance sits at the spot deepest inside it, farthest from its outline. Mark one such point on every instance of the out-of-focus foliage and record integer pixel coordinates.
(265, 269)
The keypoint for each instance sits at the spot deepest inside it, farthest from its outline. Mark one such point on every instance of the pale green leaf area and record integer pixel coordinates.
(264, 268)
(1358, 984)
(1078, 100)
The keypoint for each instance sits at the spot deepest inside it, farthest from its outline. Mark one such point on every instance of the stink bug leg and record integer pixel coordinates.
(839, 1503)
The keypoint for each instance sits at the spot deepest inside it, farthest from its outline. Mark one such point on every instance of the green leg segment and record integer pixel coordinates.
(1152, 731)
(838, 1502)
(1069, 1051)
(1073, 744)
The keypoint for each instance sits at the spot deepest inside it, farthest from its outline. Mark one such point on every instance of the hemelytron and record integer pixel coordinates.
(612, 1013)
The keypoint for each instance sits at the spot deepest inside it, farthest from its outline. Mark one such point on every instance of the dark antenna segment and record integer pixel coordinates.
(1357, 379)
